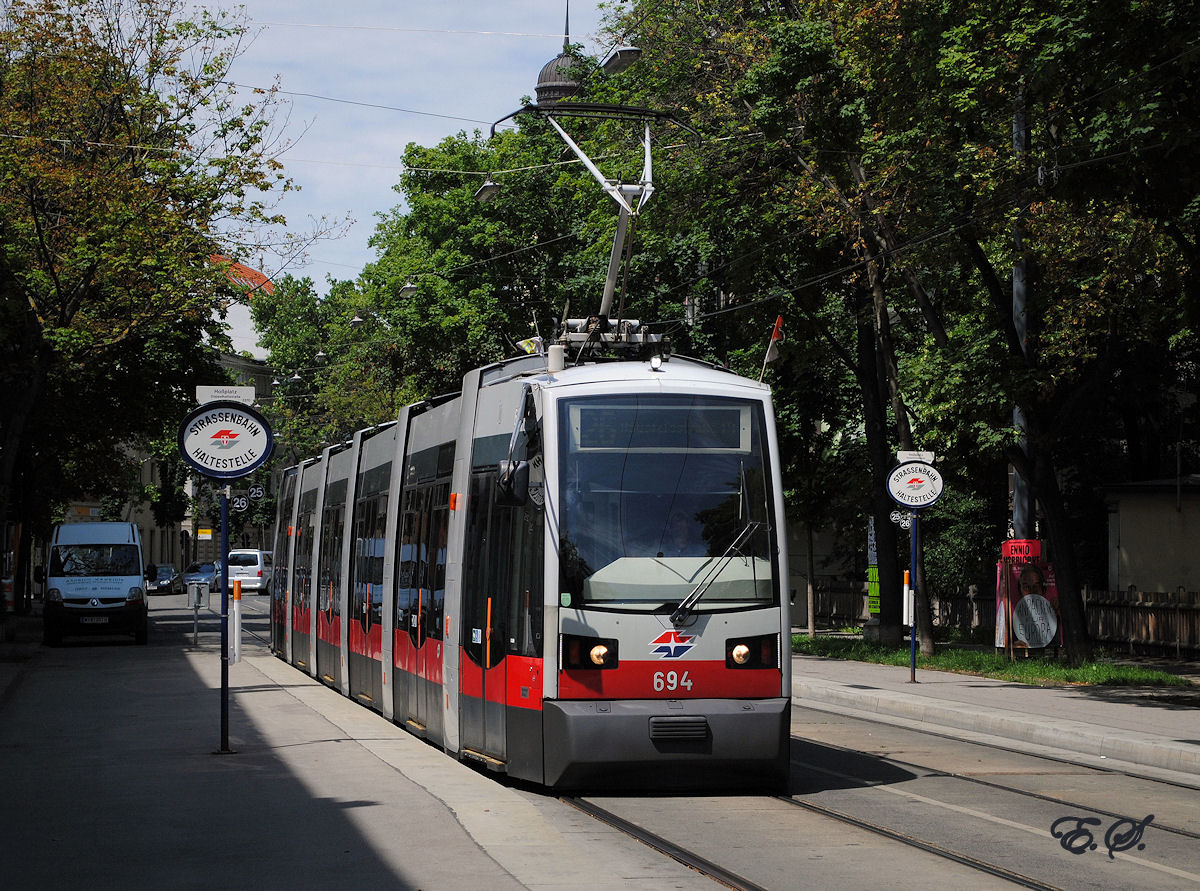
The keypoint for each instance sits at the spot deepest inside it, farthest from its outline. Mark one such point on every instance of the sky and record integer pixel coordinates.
(363, 79)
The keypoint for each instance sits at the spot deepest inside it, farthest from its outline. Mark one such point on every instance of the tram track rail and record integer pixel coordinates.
(1081, 827)
(688, 858)
(1003, 787)
(928, 847)
(1122, 838)
(709, 868)
(992, 743)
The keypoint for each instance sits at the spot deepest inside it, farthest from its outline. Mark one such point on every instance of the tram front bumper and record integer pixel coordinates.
(673, 744)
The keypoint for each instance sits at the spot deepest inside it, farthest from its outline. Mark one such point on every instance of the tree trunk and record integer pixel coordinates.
(28, 366)
(921, 603)
(1060, 534)
(811, 592)
(880, 456)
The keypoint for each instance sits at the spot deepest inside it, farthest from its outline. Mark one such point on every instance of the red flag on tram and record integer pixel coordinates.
(776, 336)
(772, 345)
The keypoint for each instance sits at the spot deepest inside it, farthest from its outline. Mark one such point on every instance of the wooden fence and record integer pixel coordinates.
(1141, 621)
(1145, 621)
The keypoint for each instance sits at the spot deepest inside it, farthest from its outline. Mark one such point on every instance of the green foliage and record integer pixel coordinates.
(856, 175)
(123, 153)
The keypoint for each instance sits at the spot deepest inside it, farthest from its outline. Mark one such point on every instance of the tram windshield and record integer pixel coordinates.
(665, 498)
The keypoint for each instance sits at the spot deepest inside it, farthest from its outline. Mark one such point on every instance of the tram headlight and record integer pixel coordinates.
(760, 651)
(578, 651)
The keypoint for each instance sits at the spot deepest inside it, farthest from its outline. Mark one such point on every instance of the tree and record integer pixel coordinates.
(124, 156)
(888, 129)
(857, 175)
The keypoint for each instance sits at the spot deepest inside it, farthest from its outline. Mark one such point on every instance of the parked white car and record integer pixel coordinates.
(252, 569)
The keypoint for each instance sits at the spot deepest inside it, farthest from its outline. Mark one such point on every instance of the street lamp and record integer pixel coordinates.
(619, 59)
(487, 191)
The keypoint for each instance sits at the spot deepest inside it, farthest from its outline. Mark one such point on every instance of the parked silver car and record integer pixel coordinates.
(203, 574)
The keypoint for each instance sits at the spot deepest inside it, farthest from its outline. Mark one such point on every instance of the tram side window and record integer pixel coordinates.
(411, 558)
(504, 564)
(499, 577)
(378, 536)
(304, 537)
(525, 597)
(479, 511)
(283, 535)
(421, 582)
(332, 525)
(435, 579)
(367, 584)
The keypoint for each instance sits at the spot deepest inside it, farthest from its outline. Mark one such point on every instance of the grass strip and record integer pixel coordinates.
(1037, 670)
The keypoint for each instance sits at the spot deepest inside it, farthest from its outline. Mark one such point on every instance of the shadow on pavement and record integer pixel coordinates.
(818, 768)
(111, 779)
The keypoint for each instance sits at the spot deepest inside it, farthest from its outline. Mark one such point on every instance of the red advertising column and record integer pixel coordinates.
(1027, 616)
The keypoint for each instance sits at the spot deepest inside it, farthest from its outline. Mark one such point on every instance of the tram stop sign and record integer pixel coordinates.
(915, 484)
(226, 440)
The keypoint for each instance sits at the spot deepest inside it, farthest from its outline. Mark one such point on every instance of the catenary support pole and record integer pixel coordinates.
(912, 593)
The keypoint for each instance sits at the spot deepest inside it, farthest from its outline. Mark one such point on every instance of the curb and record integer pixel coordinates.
(1071, 736)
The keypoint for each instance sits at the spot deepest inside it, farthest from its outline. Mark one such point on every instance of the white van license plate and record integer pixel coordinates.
(94, 620)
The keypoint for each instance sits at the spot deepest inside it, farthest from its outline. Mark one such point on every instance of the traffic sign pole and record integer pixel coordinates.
(914, 483)
(224, 750)
(225, 440)
(912, 628)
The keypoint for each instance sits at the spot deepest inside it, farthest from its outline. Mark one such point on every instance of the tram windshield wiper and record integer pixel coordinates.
(684, 610)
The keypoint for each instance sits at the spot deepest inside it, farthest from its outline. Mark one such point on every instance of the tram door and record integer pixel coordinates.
(329, 577)
(280, 575)
(302, 578)
(482, 671)
(366, 599)
(420, 607)
(502, 609)
(432, 658)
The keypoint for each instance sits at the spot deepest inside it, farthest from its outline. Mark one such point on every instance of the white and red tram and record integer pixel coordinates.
(572, 574)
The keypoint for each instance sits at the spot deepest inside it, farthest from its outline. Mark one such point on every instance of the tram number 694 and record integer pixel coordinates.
(671, 680)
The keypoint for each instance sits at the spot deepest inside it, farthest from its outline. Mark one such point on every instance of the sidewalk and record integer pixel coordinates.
(20, 640)
(1156, 728)
(115, 779)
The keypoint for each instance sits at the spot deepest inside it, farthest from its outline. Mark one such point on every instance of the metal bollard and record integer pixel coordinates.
(235, 635)
(195, 598)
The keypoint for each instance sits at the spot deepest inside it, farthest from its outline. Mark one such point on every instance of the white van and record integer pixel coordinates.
(95, 581)
(252, 568)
